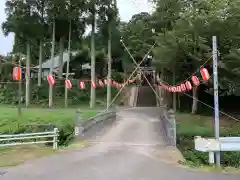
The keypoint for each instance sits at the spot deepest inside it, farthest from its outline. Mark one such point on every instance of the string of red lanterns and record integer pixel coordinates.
(82, 83)
(17, 76)
(187, 85)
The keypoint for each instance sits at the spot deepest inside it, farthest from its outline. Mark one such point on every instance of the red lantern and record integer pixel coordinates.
(51, 80)
(205, 74)
(100, 83)
(188, 85)
(82, 85)
(68, 84)
(168, 88)
(183, 87)
(93, 84)
(174, 89)
(105, 81)
(178, 88)
(118, 85)
(195, 80)
(17, 73)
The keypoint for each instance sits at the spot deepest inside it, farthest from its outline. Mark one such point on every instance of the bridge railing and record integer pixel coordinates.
(100, 120)
(169, 125)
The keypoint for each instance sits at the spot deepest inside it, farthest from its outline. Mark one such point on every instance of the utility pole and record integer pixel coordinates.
(69, 56)
(216, 104)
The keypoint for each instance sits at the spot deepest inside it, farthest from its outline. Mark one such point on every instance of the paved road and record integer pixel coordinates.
(133, 149)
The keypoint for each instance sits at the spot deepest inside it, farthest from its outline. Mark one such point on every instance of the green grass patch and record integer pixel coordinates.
(189, 126)
(10, 121)
(39, 120)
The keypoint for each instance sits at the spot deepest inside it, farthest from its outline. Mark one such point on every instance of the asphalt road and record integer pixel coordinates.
(133, 149)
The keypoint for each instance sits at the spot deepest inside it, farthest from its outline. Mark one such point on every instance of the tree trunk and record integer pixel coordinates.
(162, 95)
(195, 100)
(174, 93)
(69, 56)
(61, 51)
(93, 93)
(179, 101)
(40, 63)
(27, 75)
(51, 69)
(109, 64)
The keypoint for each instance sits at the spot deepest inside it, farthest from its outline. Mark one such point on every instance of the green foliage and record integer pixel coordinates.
(184, 38)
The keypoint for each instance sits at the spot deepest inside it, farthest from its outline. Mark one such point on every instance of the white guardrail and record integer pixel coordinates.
(20, 139)
(212, 145)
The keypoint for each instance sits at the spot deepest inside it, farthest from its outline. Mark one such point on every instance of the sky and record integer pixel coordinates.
(127, 8)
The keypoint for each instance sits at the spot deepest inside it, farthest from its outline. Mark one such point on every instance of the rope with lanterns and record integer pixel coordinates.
(17, 76)
(187, 85)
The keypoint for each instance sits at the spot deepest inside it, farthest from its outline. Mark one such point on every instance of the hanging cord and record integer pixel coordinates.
(138, 65)
(141, 71)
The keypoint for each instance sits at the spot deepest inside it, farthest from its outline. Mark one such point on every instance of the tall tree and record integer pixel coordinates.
(108, 15)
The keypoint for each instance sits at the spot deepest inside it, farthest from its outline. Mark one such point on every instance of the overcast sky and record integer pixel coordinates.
(127, 8)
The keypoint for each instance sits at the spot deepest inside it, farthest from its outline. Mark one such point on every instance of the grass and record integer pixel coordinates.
(198, 125)
(9, 119)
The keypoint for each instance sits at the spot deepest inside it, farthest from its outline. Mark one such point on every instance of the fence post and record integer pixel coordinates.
(211, 158)
(78, 123)
(55, 138)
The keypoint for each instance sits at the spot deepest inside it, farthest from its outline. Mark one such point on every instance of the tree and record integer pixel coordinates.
(138, 35)
(108, 14)
(22, 20)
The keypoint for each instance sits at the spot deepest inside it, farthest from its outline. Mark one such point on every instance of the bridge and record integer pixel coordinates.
(139, 145)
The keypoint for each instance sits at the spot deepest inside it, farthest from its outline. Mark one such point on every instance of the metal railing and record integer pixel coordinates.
(169, 125)
(20, 139)
(212, 145)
